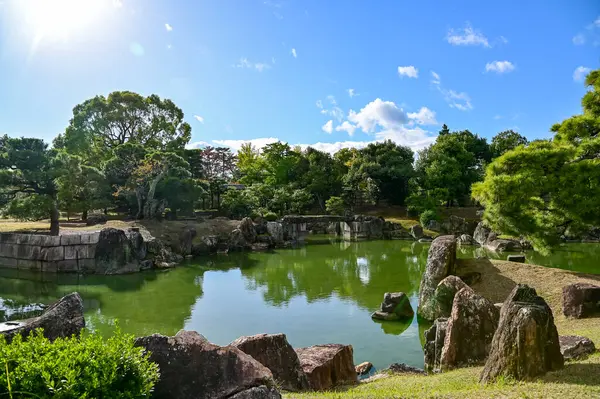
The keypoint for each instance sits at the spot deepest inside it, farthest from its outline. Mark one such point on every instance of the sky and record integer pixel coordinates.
(330, 74)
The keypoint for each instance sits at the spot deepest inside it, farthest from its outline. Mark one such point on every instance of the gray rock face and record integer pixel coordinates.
(466, 239)
(96, 218)
(440, 263)
(114, 252)
(575, 347)
(237, 241)
(526, 343)
(364, 368)
(444, 295)
(327, 366)
(275, 353)
(62, 319)
(186, 238)
(457, 225)
(275, 229)
(434, 343)
(481, 233)
(416, 231)
(581, 300)
(502, 245)
(395, 231)
(395, 306)
(470, 330)
(402, 368)
(261, 392)
(434, 225)
(246, 226)
(193, 368)
(516, 258)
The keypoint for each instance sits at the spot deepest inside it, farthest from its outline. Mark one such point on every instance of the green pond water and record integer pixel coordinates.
(319, 293)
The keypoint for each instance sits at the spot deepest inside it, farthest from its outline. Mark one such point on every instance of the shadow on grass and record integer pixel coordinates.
(493, 285)
(575, 373)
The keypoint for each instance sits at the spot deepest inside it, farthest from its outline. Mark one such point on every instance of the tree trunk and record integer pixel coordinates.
(138, 194)
(150, 209)
(84, 215)
(54, 216)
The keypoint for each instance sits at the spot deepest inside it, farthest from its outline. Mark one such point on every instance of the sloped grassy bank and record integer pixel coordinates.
(578, 379)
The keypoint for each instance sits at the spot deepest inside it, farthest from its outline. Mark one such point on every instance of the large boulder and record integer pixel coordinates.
(434, 343)
(502, 245)
(470, 330)
(395, 306)
(193, 368)
(526, 343)
(444, 295)
(440, 263)
(394, 230)
(581, 300)
(115, 253)
(457, 226)
(416, 231)
(465, 239)
(246, 226)
(575, 347)
(62, 319)
(481, 233)
(96, 218)
(275, 229)
(275, 353)
(327, 366)
(237, 240)
(186, 238)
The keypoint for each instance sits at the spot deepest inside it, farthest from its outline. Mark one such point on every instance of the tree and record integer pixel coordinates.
(323, 177)
(549, 187)
(506, 141)
(27, 178)
(101, 124)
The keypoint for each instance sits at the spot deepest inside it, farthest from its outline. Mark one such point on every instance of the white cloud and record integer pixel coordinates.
(416, 138)
(335, 112)
(580, 73)
(425, 116)
(199, 118)
(460, 101)
(168, 27)
(331, 99)
(409, 71)
(328, 127)
(117, 3)
(503, 40)
(346, 127)
(294, 53)
(259, 66)
(319, 104)
(467, 37)
(351, 93)
(579, 39)
(197, 144)
(237, 144)
(499, 66)
(378, 113)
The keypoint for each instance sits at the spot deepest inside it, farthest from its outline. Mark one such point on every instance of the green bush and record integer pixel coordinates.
(427, 216)
(85, 367)
(335, 205)
(254, 214)
(270, 216)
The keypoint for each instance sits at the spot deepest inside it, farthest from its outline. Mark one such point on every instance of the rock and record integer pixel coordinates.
(327, 366)
(137, 243)
(364, 368)
(114, 253)
(444, 295)
(502, 245)
(62, 319)
(394, 230)
(246, 226)
(193, 368)
(470, 278)
(395, 306)
(434, 343)
(457, 225)
(581, 300)
(275, 229)
(470, 330)
(261, 392)
(275, 353)
(440, 264)
(416, 231)
(186, 238)
(526, 343)
(96, 218)
(161, 254)
(237, 240)
(481, 233)
(516, 258)
(401, 368)
(574, 347)
(465, 239)
(434, 225)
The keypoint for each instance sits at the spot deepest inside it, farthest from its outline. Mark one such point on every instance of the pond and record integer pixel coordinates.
(319, 293)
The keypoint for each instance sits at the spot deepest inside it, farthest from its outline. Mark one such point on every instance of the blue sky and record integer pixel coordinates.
(337, 73)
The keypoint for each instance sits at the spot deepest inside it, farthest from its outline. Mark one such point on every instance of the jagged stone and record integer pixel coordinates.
(575, 347)
(395, 306)
(327, 366)
(434, 343)
(581, 300)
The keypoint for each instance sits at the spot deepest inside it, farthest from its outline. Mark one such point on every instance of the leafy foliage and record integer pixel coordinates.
(335, 206)
(86, 367)
(506, 141)
(427, 216)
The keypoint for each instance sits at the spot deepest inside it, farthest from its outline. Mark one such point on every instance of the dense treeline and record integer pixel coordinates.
(127, 152)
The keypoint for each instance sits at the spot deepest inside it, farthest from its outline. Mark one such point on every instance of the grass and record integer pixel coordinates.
(579, 379)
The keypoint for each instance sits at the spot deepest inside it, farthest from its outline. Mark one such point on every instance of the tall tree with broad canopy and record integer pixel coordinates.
(28, 172)
(506, 141)
(101, 124)
(549, 187)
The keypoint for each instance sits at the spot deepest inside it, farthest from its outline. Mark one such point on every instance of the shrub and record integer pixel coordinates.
(335, 205)
(254, 214)
(428, 216)
(270, 216)
(85, 367)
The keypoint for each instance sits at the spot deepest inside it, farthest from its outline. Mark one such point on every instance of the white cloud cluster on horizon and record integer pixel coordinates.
(580, 73)
(408, 71)
(500, 67)
(467, 37)
(458, 100)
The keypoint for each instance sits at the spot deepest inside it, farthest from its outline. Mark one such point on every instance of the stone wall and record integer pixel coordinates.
(66, 253)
